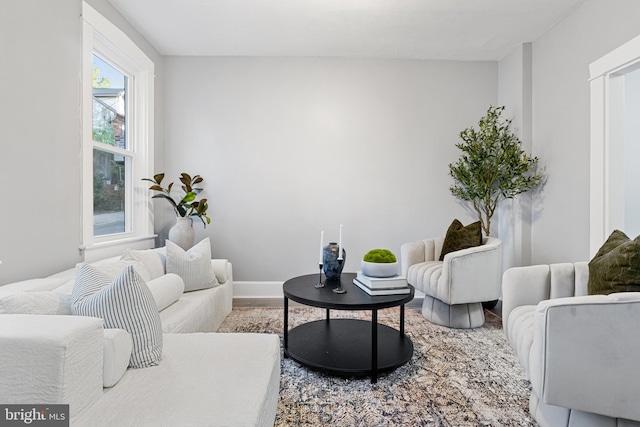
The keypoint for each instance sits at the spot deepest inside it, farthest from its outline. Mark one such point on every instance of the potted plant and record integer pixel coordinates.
(379, 263)
(492, 167)
(186, 207)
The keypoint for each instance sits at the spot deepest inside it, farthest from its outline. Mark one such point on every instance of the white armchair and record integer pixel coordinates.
(580, 352)
(455, 287)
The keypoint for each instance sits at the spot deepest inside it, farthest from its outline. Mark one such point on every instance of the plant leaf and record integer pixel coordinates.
(164, 196)
(189, 197)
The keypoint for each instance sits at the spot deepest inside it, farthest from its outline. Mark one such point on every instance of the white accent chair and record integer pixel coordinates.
(580, 351)
(455, 287)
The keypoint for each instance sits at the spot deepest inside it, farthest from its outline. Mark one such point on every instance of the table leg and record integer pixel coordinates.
(286, 325)
(327, 314)
(374, 346)
(401, 320)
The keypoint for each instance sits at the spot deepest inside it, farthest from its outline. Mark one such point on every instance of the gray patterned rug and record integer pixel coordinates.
(455, 378)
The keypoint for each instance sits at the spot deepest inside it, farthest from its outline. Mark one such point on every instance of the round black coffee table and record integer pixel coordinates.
(349, 347)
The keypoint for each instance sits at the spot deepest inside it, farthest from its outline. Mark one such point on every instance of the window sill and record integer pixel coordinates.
(98, 251)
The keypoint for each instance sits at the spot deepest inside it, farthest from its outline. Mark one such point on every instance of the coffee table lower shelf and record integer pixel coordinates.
(343, 347)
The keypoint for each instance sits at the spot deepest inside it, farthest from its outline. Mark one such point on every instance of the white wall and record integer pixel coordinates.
(561, 121)
(515, 215)
(40, 118)
(289, 147)
(632, 155)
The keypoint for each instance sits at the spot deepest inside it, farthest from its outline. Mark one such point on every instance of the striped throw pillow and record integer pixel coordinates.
(194, 265)
(124, 302)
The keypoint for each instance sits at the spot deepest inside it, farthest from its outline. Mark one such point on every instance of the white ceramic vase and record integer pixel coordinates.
(182, 233)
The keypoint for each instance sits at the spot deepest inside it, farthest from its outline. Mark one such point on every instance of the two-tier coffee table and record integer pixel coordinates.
(348, 347)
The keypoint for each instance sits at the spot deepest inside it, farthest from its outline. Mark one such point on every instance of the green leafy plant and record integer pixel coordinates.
(379, 256)
(187, 205)
(492, 166)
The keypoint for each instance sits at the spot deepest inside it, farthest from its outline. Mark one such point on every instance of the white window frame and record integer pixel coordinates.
(100, 36)
(607, 83)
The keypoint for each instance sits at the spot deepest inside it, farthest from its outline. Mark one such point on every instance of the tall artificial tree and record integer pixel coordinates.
(492, 167)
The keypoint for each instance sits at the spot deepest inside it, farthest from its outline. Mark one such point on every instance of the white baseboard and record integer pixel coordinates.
(257, 289)
(250, 293)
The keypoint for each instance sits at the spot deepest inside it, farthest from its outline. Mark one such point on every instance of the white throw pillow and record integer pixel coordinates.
(114, 269)
(149, 257)
(166, 289)
(124, 303)
(117, 346)
(194, 265)
(45, 302)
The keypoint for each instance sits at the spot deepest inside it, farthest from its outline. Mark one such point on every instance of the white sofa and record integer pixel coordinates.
(579, 351)
(203, 379)
(197, 311)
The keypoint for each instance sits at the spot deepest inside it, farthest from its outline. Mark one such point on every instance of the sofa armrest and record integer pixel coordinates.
(467, 266)
(588, 348)
(523, 286)
(51, 360)
(223, 270)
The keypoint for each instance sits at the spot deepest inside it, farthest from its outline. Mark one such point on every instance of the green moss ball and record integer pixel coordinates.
(380, 256)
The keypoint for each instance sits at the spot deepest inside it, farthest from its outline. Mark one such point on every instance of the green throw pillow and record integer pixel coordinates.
(616, 266)
(459, 237)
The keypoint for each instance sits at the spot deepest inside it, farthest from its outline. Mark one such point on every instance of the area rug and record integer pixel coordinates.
(455, 378)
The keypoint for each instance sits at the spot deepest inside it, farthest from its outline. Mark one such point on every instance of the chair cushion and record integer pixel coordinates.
(616, 266)
(460, 237)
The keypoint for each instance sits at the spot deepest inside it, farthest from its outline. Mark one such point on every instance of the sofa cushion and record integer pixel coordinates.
(616, 266)
(31, 285)
(166, 289)
(44, 302)
(124, 303)
(118, 346)
(194, 265)
(460, 237)
(149, 257)
(205, 379)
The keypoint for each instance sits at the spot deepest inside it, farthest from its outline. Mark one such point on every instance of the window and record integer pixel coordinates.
(615, 144)
(112, 157)
(117, 140)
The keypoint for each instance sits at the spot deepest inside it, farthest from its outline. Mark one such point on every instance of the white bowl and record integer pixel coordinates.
(379, 269)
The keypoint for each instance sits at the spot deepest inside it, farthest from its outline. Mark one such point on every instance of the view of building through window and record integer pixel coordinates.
(110, 161)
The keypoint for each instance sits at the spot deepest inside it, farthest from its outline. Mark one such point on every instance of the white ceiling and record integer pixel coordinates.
(414, 29)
